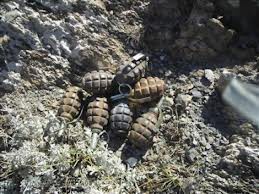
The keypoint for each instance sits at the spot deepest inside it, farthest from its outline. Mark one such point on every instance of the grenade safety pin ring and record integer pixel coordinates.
(124, 90)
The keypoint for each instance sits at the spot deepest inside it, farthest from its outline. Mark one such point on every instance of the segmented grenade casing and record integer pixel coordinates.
(143, 130)
(97, 113)
(131, 73)
(121, 119)
(98, 82)
(147, 90)
(71, 103)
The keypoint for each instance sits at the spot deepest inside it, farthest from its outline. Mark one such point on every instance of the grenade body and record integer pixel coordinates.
(143, 130)
(121, 119)
(70, 104)
(98, 82)
(147, 90)
(131, 73)
(97, 114)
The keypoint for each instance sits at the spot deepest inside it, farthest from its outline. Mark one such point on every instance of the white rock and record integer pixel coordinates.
(183, 99)
(169, 101)
(209, 75)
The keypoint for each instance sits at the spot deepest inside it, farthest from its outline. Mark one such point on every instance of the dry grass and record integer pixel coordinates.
(166, 178)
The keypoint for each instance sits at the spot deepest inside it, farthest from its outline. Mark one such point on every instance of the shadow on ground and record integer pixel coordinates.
(221, 116)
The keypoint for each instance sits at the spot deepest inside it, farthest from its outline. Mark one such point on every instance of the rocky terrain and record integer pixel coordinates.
(202, 146)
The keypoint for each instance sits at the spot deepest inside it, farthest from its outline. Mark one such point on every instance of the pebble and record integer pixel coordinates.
(196, 94)
(168, 73)
(169, 101)
(167, 117)
(198, 84)
(41, 107)
(209, 75)
(132, 161)
(194, 142)
(192, 155)
(188, 87)
(183, 99)
(171, 93)
(162, 57)
(182, 78)
(208, 146)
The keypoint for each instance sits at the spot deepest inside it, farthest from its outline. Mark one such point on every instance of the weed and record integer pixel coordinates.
(167, 178)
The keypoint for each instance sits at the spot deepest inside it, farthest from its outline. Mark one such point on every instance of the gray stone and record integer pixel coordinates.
(12, 80)
(15, 67)
(183, 99)
(250, 156)
(192, 155)
(132, 161)
(196, 94)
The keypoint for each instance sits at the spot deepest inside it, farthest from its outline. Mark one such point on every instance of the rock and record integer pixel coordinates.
(192, 155)
(196, 94)
(224, 79)
(11, 82)
(15, 67)
(209, 75)
(172, 93)
(202, 37)
(169, 101)
(242, 15)
(41, 107)
(168, 73)
(187, 87)
(250, 156)
(167, 117)
(132, 161)
(183, 100)
(182, 78)
(208, 146)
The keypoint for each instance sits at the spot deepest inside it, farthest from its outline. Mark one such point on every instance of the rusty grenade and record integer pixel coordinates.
(144, 129)
(147, 90)
(97, 117)
(71, 103)
(97, 82)
(121, 119)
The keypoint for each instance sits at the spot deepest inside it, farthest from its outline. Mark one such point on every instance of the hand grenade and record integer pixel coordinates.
(120, 119)
(98, 82)
(147, 90)
(132, 72)
(97, 117)
(71, 104)
(144, 129)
